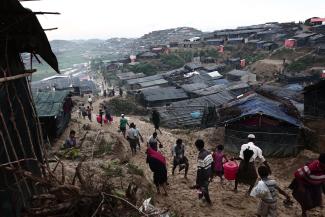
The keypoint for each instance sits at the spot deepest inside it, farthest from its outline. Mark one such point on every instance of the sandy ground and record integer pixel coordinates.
(184, 201)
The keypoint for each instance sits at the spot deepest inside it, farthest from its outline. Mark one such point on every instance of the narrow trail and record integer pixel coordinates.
(181, 199)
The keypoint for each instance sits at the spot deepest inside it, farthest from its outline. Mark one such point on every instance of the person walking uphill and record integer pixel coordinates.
(157, 164)
(153, 142)
(307, 184)
(268, 204)
(178, 152)
(156, 120)
(218, 160)
(247, 171)
(132, 138)
(203, 171)
(123, 123)
(90, 101)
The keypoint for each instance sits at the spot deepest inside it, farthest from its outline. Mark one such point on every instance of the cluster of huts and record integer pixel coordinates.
(197, 96)
(268, 36)
(52, 98)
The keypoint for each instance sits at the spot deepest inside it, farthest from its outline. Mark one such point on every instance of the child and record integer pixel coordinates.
(268, 206)
(218, 160)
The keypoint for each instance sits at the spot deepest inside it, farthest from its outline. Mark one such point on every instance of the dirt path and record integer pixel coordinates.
(184, 201)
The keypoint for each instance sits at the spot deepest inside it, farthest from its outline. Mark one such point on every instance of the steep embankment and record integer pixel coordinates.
(184, 201)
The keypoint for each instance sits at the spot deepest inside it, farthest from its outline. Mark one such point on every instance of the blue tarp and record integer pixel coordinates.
(258, 104)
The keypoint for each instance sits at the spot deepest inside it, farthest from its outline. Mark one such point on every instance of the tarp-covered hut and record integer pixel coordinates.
(276, 125)
(197, 112)
(162, 96)
(54, 111)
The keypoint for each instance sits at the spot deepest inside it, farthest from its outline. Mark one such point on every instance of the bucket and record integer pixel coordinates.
(230, 170)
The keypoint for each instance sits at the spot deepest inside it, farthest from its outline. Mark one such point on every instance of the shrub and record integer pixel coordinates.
(135, 170)
(172, 60)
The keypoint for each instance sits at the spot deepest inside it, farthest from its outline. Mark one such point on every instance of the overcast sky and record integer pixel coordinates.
(84, 19)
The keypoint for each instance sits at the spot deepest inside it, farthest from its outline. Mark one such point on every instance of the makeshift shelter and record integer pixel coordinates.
(214, 42)
(235, 41)
(54, 111)
(303, 38)
(133, 84)
(197, 112)
(239, 88)
(193, 67)
(159, 82)
(241, 75)
(215, 67)
(58, 82)
(290, 43)
(317, 39)
(21, 144)
(276, 125)
(315, 100)
(161, 96)
(87, 87)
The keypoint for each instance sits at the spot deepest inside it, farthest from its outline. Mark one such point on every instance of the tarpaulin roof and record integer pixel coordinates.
(167, 93)
(144, 79)
(49, 104)
(153, 83)
(179, 114)
(59, 82)
(257, 104)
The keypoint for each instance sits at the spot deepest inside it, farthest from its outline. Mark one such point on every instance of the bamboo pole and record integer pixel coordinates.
(12, 119)
(38, 126)
(25, 121)
(9, 160)
(10, 78)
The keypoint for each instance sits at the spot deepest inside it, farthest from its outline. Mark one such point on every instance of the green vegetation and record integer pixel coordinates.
(172, 60)
(135, 170)
(211, 53)
(113, 169)
(146, 68)
(254, 58)
(300, 64)
(71, 154)
(104, 148)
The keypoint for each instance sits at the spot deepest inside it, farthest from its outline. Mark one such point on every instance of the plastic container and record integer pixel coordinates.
(230, 170)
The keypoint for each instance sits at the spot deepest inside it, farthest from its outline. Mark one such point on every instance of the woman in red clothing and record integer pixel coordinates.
(307, 184)
(157, 164)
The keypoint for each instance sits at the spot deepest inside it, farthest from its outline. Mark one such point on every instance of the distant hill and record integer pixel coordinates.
(163, 37)
(70, 52)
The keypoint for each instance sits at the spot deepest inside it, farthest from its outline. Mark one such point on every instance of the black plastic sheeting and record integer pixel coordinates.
(273, 142)
(10, 196)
